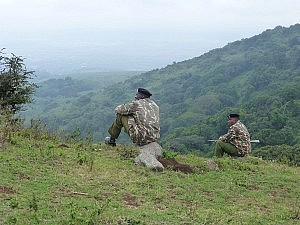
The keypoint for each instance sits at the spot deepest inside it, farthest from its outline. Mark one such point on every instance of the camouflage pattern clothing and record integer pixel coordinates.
(143, 120)
(238, 136)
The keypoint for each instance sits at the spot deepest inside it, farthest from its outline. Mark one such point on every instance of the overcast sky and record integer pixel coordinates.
(132, 34)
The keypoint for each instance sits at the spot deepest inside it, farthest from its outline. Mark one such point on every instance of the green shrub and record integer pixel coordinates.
(281, 153)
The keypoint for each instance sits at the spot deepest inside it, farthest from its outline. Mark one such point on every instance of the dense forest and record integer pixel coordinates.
(257, 77)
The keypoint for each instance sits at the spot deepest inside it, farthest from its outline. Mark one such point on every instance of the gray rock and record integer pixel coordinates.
(153, 149)
(242, 159)
(212, 165)
(148, 156)
(149, 161)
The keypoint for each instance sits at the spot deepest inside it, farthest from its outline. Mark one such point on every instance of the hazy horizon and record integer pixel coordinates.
(64, 36)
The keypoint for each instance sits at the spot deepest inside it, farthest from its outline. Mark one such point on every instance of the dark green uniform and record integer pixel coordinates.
(236, 142)
(140, 119)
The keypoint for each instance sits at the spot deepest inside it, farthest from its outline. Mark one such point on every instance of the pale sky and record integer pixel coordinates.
(61, 35)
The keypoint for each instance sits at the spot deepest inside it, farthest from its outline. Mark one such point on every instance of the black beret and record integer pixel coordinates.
(144, 91)
(234, 115)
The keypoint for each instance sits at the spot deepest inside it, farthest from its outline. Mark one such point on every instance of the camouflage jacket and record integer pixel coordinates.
(143, 120)
(239, 136)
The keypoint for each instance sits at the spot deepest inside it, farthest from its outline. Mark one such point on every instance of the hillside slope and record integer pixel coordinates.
(258, 77)
(44, 181)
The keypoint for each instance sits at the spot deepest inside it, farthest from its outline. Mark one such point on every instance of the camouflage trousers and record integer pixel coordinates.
(116, 127)
(224, 147)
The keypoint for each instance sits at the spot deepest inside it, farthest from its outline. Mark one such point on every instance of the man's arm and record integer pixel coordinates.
(126, 109)
(230, 134)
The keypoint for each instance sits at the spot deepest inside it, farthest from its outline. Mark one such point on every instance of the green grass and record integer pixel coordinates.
(42, 182)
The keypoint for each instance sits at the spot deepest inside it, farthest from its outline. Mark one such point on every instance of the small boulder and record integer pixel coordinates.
(152, 148)
(149, 161)
(212, 165)
(242, 159)
(148, 156)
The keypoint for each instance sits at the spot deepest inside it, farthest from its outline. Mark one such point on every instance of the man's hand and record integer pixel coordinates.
(221, 138)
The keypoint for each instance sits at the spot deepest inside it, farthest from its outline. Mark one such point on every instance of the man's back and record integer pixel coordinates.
(240, 137)
(144, 124)
(143, 120)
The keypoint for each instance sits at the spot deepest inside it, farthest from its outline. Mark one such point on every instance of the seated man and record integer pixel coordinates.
(236, 142)
(140, 119)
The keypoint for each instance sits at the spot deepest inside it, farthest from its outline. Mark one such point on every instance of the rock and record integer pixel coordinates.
(242, 159)
(152, 148)
(149, 161)
(212, 165)
(148, 156)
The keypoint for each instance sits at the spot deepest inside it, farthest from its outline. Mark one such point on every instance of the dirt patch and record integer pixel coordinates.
(130, 201)
(252, 187)
(63, 146)
(296, 216)
(6, 190)
(176, 166)
(23, 176)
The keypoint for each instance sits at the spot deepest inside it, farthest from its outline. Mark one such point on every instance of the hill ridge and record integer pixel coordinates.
(257, 77)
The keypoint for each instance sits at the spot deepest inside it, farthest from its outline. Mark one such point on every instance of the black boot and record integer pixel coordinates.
(110, 141)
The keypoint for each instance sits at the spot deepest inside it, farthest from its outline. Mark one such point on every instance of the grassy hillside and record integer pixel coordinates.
(45, 181)
(257, 77)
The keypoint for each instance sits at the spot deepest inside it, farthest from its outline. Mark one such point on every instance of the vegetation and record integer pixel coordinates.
(15, 88)
(281, 153)
(47, 181)
(61, 102)
(257, 77)
(65, 178)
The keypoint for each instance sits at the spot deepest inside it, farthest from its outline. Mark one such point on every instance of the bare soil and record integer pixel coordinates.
(6, 190)
(176, 166)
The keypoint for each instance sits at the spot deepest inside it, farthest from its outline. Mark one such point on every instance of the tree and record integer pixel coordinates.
(15, 88)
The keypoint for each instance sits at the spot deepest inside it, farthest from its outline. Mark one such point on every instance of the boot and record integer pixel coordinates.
(110, 141)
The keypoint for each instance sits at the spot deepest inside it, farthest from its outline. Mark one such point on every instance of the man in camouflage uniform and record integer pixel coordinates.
(140, 119)
(236, 142)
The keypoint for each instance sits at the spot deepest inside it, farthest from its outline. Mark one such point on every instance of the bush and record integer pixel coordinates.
(15, 88)
(281, 153)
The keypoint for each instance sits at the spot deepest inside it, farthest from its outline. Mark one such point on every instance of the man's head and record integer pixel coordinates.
(142, 93)
(233, 118)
